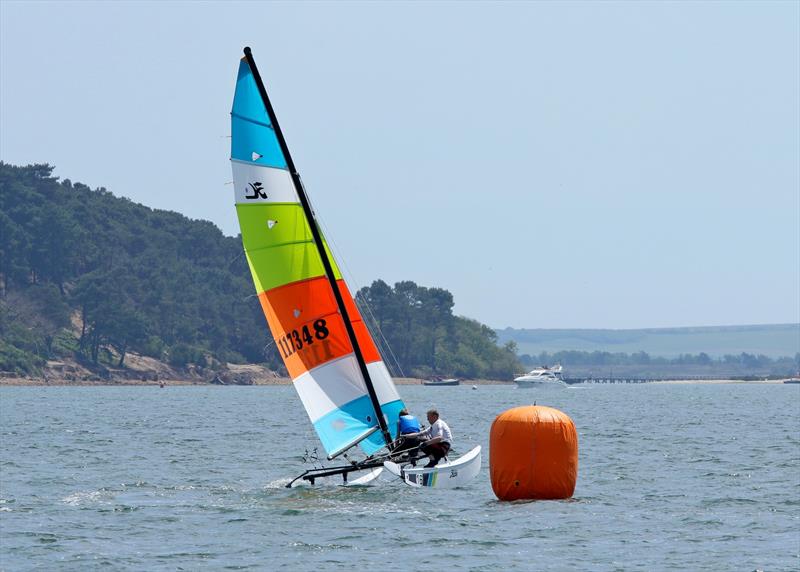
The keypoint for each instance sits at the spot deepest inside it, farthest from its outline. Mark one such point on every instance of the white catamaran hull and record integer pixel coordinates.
(364, 479)
(443, 476)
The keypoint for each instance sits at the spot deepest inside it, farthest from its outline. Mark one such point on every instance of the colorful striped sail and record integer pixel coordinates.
(295, 291)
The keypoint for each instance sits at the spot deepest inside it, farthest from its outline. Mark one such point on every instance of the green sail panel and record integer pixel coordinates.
(279, 245)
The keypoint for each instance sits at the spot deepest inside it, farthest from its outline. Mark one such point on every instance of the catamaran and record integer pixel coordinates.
(334, 364)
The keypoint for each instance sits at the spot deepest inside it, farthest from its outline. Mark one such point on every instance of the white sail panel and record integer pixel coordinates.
(339, 382)
(334, 395)
(258, 184)
(383, 384)
(330, 386)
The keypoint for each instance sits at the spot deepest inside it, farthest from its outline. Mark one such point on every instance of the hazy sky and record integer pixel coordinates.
(553, 165)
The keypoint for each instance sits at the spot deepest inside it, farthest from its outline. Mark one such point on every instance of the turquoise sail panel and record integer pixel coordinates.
(253, 139)
(344, 424)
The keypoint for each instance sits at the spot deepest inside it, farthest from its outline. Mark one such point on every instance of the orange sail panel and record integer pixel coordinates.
(308, 328)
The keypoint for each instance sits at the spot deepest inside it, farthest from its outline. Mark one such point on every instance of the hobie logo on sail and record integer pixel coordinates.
(258, 191)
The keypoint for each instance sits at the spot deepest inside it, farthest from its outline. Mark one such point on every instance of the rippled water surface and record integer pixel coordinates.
(682, 477)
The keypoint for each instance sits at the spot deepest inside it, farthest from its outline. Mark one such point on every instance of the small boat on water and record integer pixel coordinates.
(542, 377)
(335, 366)
(438, 381)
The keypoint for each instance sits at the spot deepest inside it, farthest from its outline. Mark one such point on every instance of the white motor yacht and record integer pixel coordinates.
(541, 377)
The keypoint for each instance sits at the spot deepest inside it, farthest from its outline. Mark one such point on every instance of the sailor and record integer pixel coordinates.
(440, 439)
(407, 423)
(407, 429)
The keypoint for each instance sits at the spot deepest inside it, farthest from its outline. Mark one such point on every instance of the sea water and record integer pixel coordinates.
(671, 477)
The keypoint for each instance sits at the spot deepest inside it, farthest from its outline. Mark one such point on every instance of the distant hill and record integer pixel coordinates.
(90, 282)
(772, 340)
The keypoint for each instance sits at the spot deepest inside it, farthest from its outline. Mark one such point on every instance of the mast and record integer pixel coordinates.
(326, 263)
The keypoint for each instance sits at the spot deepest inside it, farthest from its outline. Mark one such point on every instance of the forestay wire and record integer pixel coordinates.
(351, 278)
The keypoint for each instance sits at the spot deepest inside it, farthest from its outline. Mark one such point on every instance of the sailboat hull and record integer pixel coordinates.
(364, 480)
(442, 382)
(548, 384)
(443, 476)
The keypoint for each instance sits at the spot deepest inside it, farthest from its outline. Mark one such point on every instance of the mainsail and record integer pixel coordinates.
(328, 352)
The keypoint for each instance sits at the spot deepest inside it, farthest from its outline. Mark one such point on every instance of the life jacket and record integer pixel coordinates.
(408, 424)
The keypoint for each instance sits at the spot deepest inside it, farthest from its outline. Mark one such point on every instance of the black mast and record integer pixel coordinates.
(326, 263)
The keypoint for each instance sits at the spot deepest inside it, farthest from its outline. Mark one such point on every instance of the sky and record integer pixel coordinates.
(553, 165)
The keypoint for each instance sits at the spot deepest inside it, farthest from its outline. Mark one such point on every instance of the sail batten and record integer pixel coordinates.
(292, 243)
(326, 347)
(251, 120)
(347, 446)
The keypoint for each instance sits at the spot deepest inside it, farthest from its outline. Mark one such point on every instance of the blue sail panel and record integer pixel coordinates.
(253, 139)
(391, 412)
(346, 423)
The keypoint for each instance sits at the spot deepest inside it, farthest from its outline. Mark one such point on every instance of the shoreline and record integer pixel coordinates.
(38, 382)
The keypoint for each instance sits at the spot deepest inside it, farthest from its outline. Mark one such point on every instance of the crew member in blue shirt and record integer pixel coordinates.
(407, 429)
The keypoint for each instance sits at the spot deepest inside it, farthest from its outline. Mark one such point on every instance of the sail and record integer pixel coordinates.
(295, 291)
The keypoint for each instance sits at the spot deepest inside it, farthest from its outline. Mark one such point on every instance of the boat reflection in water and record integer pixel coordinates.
(542, 377)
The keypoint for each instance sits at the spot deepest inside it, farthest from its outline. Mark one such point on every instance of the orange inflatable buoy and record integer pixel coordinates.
(533, 454)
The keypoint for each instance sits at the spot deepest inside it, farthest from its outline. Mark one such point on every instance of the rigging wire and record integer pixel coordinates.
(356, 287)
(351, 278)
(380, 332)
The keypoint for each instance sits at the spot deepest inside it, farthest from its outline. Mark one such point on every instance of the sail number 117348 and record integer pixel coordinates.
(294, 340)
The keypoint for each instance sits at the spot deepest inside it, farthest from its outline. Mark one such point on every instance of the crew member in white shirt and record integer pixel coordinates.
(440, 439)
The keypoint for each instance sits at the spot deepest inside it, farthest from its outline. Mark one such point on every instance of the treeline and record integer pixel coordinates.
(418, 334)
(574, 361)
(774, 340)
(121, 276)
(89, 275)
